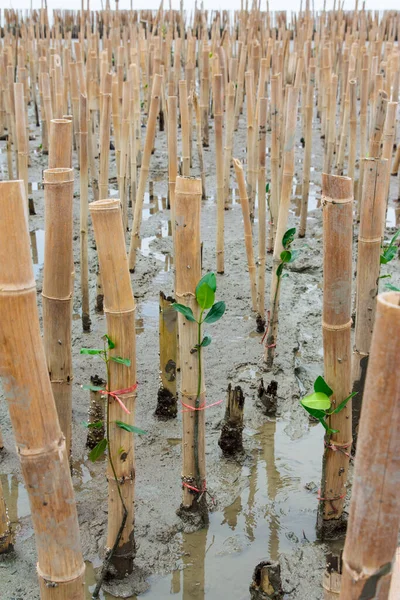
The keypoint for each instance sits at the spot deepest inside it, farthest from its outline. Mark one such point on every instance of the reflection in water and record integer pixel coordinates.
(16, 499)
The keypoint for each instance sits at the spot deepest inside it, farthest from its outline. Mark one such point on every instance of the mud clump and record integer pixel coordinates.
(268, 397)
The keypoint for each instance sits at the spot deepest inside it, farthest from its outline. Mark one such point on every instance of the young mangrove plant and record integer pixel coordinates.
(100, 448)
(205, 297)
(319, 405)
(286, 256)
(389, 251)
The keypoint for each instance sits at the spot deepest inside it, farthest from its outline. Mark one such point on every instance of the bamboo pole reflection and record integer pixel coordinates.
(193, 556)
(274, 483)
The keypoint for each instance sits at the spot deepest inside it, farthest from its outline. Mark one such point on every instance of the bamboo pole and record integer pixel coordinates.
(172, 104)
(197, 109)
(308, 147)
(188, 273)
(287, 180)
(60, 144)
(57, 291)
(219, 160)
(353, 129)
(373, 526)
(228, 146)
(41, 446)
(6, 538)
(337, 201)
(372, 224)
(378, 123)
(251, 142)
(84, 187)
(120, 309)
(22, 142)
(262, 213)
(185, 128)
(168, 324)
(105, 124)
(248, 236)
(144, 170)
(275, 143)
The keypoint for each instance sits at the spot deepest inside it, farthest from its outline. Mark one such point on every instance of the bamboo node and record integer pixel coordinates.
(66, 299)
(370, 240)
(120, 311)
(336, 327)
(53, 581)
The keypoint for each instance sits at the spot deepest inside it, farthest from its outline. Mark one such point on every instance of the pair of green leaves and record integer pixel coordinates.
(205, 296)
(287, 255)
(389, 252)
(100, 448)
(117, 359)
(318, 404)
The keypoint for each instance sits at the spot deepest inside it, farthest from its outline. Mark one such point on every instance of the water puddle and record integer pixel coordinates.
(18, 508)
(37, 247)
(147, 314)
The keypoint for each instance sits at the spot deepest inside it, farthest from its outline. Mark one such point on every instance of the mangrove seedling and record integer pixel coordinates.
(205, 296)
(319, 406)
(100, 448)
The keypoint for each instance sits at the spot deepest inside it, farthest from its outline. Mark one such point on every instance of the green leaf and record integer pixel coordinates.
(286, 256)
(185, 311)
(280, 269)
(96, 425)
(267, 188)
(216, 312)
(91, 351)
(206, 341)
(391, 287)
(390, 251)
(318, 401)
(342, 404)
(387, 276)
(205, 291)
(320, 385)
(288, 237)
(130, 428)
(318, 414)
(121, 361)
(98, 450)
(93, 388)
(110, 343)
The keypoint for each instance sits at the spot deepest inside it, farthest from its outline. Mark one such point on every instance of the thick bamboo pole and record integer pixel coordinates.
(248, 236)
(84, 187)
(188, 273)
(120, 308)
(287, 180)
(219, 160)
(144, 170)
(372, 223)
(60, 144)
(41, 446)
(374, 519)
(168, 324)
(57, 291)
(337, 202)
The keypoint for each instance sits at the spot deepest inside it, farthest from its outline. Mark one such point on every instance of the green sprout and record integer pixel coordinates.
(319, 405)
(389, 251)
(205, 297)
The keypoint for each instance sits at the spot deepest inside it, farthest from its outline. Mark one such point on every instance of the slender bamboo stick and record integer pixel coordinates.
(251, 142)
(185, 128)
(373, 526)
(353, 129)
(41, 446)
(337, 201)
(144, 171)
(84, 186)
(219, 159)
(287, 180)
(22, 142)
(197, 109)
(105, 124)
(248, 236)
(275, 143)
(372, 225)
(188, 273)
(57, 291)
(228, 146)
(120, 308)
(378, 123)
(308, 147)
(262, 212)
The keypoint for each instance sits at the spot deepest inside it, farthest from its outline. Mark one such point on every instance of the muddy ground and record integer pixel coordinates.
(262, 508)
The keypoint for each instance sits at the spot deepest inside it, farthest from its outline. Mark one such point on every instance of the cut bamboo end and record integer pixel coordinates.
(60, 148)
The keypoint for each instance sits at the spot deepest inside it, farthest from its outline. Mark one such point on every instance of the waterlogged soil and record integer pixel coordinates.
(264, 504)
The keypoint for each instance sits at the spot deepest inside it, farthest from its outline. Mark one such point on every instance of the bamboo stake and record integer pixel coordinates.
(308, 147)
(251, 142)
(188, 273)
(172, 104)
(275, 143)
(168, 323)
(228, 147)
(378, 123)
(84, 186)
(185, 128)
(60, 144)
(373, 527)
(120, 308)
(219, 159)
(41, 446)
(248, 236)
(199, 144)
(287, 180)
(337, 200)
(262, 213)
(372, 224)
(353, 129)
(6, 538)
(22, 142)
(144, 171)
(57, 291)
(105, 125)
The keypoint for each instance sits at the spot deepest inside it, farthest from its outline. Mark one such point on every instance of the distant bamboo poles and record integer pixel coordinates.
(41, 446)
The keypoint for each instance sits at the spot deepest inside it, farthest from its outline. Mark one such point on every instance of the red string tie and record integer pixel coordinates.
(339, 448)
(117, 393)
(197, 491)
(201, 407)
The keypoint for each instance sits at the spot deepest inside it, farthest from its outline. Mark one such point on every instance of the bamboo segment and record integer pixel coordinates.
(230, 118)
(219, 159)
(287, 180)
(308, 147)
(41, 446)
(57, 291)
(372, 224)
(84, 186)
(172, 103)
(373, 526)
(120, 308)
(248, 236)
(275, 143)
(353, 129)
(186, 126)
(22, 141)
(144, 171)
(6, 539)
(188, 273)
(200, 145)
(262, 212)
(60, 147)
(168, 323)
(378, 123)
(337, 202)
